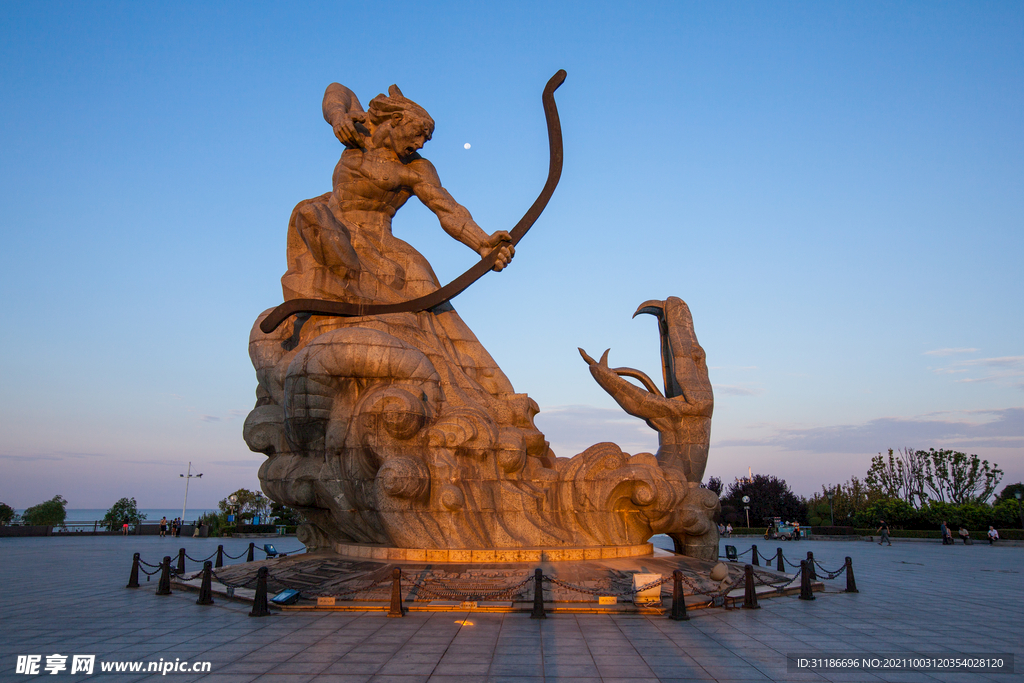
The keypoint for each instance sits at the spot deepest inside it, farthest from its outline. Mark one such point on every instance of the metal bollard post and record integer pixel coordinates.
(252, 547)
(810, 566)
(756, 561)
(538, 596)
(750, 593)
(164, 587)
(805, 582)
(133, 578)
(259, 603)
(220, 557)
(206, 589)
(678, 612)
(396, 594)
(851, 583)
(779, 565)
(181, 561)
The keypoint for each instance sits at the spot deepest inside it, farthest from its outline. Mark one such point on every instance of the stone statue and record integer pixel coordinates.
(388, 423)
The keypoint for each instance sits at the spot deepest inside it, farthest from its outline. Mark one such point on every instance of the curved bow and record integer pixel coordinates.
(459, 284)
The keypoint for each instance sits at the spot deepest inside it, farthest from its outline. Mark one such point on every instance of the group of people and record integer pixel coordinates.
(724, 531)
(947, 534)
(964, 534)
(174, 526)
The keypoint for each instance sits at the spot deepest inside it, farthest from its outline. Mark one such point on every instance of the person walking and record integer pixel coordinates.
(883, 531)
(163, 526)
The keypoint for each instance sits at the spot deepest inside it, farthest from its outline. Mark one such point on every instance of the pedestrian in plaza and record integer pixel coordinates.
(965, 535)
(124, 525)
(163, 526)
(728, 530)
(993, 535)
(883, 531)
(947, 537)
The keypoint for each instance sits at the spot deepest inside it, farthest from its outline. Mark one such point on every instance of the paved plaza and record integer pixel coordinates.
(67, 596)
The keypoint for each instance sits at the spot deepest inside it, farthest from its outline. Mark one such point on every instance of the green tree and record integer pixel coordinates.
(849, 500)
(769, 497)
(283, 514)
(714, 484)
(1009, 492)
(249, 504)
(51, 513)
(903, 475)
(959, 478)
(6, 514)
(125, 508)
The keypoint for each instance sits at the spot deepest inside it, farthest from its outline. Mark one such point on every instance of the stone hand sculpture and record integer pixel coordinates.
(387, 422)
(681, 416)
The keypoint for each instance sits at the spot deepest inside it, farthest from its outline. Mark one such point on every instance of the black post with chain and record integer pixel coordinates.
(133, 578)
(396, 594)
(538, 596)
(756, 561)
(220, 557)
(779, 566)
(678, 612)
(164, 587)
(252, 547)
(750, 592)
(206, 589)
(259, 603)
(805, 581)
(851, 583)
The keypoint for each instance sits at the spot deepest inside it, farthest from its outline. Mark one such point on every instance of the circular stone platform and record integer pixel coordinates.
(500, 556)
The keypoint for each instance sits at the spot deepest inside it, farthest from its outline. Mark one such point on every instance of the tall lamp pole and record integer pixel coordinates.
(746, 506)
(1020, 510)
(186, 478)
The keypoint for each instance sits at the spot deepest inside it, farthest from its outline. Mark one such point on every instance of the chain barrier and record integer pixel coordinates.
(181, 576)
(448, 593)
(236, 557)
(830, 574)
(143, 569)
(779, 586)
(202, 560)
(250, 583)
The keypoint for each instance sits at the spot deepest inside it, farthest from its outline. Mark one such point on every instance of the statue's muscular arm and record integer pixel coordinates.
(345, 114)
(455, 218)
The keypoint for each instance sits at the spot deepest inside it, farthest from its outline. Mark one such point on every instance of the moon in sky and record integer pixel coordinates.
(467, 145)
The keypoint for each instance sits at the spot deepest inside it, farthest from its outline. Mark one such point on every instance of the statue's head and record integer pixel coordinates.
(399, 123)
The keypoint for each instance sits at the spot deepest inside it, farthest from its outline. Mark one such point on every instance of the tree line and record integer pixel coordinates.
(908, 488)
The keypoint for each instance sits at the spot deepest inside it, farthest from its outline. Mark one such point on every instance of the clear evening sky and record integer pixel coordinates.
(834, 188)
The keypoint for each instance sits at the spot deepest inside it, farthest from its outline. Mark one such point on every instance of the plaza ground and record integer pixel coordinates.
(67, 596)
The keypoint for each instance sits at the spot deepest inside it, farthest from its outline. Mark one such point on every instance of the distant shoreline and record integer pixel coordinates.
(152, 514)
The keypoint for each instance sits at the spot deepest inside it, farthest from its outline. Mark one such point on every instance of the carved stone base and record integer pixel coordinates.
(464, 556)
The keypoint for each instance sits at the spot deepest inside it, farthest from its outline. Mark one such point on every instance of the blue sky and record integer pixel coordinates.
(835, 189)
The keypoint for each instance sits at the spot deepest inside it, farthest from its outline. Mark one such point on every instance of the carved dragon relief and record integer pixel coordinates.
(387, 422)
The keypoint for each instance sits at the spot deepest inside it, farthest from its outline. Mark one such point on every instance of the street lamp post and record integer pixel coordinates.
(186, 478)
(746, 507)
(1020, 510)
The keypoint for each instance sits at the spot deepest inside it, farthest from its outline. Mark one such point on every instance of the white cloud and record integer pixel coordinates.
(949, 352)
(736, 390)
(1004, 429)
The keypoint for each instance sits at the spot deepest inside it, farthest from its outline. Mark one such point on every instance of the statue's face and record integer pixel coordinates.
(409, 134)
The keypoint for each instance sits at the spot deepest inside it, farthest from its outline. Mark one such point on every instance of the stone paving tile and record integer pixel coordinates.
(90, 612)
